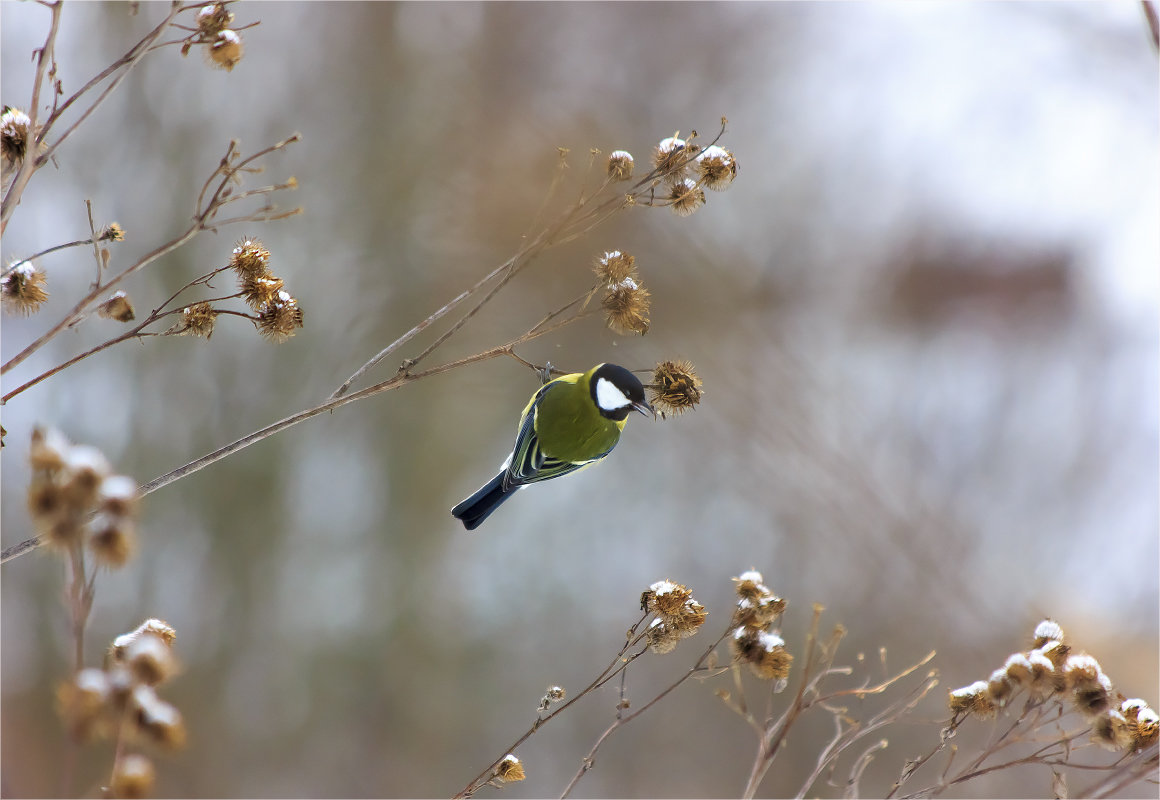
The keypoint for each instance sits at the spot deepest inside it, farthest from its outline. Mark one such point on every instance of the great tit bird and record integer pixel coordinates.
(570, 423)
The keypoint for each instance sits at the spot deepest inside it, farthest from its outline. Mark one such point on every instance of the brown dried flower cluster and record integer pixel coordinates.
(118, 307)
(15, 133)
(121, 702)
(75, 499)
(224, 48)
(279, 315)
(675, 387)
(755, 641)
(510, 770)
(22, 288)
(1051, 670)
(688, 170)
(626, 301)
(620, 165)
(678, 615)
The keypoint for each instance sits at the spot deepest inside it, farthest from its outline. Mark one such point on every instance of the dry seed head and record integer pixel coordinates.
(226, 50)
(1082, 671)
(112, 540)
(620, 165)
(613, 266)
(150, 659)
(133, 777)
(196, 320)
(661, 637)
(1045, 678)
(1000, 687)
(156, 721)
(22, 289)
(665, 598)
(1048, 631)
(973, 699)
(509, 770)
(763, 651)
(213, 19)
(670, 157)
(717, 168)
(1112, 731)
(1018, 669)
(626, 307)
(46, 501)
(258, 290)
(250, 258)
(14, 134)
(278, 318)
(118, 496)
(150, 627)
(675, 388)
(85, 468)
(760, 611)
(112, 232)
(750, 584)
(83, 702)
(1055, 651)
(1147, 728)
(118, 307)
(554, 695)
(685, 197)
(47, 450)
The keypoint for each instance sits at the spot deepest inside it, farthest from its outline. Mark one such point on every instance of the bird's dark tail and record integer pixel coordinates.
(475, 509)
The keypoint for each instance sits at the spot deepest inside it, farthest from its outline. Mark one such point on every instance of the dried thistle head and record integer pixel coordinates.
(213, 19)
(1055, 651)
(685, 197)
(133, 777)
(112, 232)
(83, 704)
(85, 469)
(155, 720)
(660, 637)
(974, 699)
(1112, 731)
(250, 258)
(279, 318)
(1018, 669)
(717, 168)
(118, 496)
(226, 50)
(118, 307)
(675, 388)
(150, 659)
(1047, 631)
(763, 651)
(150, 627)
(759, 612)
(15, 131)
(196, 320)
(112, 540)
(620, 165)
(665, 598)
(670, 157)
(259, 291)
(626, 307)
(47, 450)
(1045, 676)
(509, 770)
(1000, 687)
(613, 266)
(22, 288)
(1147, 728)
(554, 695)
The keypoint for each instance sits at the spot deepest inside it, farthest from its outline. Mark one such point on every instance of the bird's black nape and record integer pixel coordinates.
(628, 384)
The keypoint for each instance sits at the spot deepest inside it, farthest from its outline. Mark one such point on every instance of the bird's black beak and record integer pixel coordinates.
(645, 409)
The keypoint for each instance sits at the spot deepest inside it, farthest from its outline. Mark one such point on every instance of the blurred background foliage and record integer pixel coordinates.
(925, 315)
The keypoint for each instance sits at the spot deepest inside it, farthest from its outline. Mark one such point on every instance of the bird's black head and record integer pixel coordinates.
(616, 391)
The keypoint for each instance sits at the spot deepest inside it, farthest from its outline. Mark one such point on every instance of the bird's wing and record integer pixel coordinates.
(528, 462)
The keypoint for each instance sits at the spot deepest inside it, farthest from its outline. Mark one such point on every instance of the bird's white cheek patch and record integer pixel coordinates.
(608, 397)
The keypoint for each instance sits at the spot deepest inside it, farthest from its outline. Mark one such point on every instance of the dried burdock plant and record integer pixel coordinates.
(1053, 705)
(675, 387)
